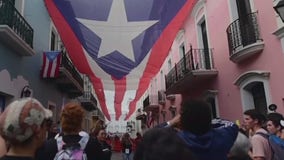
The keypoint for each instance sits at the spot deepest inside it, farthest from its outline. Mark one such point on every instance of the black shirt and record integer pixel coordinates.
(49, 150)
(106, 150)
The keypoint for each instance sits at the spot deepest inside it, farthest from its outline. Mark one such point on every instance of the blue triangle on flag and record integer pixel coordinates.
(51, 55)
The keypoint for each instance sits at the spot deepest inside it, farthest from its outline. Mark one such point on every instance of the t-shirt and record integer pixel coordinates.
(16, 158)
(106, 150)
(260, 145)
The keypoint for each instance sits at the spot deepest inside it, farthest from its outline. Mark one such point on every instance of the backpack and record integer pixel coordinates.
(276, 144)
(73, 151)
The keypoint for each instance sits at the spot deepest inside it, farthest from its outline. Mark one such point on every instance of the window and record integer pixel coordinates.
(203, 43)
(246, 21)
(162, 79)
(181, 51)
(55, 43)
(257, 93)
(52, 41)
(210, 96)
(254, 90)
(243, 8)
(169, 65)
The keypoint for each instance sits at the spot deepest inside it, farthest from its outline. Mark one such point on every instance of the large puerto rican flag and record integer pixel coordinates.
(120, 44)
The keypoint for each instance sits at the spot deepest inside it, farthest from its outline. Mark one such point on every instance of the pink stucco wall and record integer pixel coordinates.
(271, 59)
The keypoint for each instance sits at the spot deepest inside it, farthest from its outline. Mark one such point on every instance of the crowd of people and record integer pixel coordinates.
(191, 135)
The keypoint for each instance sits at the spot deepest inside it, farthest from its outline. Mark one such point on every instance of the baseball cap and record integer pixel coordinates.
(22, 118)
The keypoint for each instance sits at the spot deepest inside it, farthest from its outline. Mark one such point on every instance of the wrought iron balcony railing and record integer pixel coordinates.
(11, 17)
(66, 63)
(243, 32)
(88, 101)
(194, 60)
(150, 101)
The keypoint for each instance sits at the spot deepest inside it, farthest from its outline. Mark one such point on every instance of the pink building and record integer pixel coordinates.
(227, 52)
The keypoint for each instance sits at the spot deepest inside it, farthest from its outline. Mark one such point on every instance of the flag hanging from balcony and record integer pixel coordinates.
(51, 64)
(120, 44)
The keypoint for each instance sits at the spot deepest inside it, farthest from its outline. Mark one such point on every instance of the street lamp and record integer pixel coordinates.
(279, 8)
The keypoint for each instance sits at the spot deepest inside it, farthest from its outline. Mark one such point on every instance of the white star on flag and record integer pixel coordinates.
(117, 33)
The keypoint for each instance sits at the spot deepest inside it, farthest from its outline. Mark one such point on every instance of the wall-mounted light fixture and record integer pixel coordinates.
(26, 92)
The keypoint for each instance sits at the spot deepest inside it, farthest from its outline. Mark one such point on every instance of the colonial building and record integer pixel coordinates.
(227, 52)
(26, 33)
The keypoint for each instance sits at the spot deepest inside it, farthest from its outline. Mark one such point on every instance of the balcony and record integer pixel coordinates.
(193, 69)
(88, 101)
(69, 80)
(150, 103)
(15, 32)
(162, 97)
(244, 38)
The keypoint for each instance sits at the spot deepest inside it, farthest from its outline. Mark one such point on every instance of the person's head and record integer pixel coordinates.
(100, 134)
(196, 116)
(25, 122)
(273, 123)
(162, 144)
(138, 135)
(125, 138)
(71, 118)
(253, 118)
(126, 135)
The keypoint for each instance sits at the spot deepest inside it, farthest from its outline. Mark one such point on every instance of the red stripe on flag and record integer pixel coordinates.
(49, 70)
(58, 62)
(120, 88)
(74, 46)
(161, 47)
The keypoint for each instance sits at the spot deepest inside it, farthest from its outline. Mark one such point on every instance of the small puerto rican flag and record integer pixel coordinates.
(51, 64)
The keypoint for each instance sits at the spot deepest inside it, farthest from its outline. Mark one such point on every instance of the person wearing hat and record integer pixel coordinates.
(24, 124)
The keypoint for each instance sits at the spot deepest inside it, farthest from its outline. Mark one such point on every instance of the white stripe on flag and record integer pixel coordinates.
(53, 67)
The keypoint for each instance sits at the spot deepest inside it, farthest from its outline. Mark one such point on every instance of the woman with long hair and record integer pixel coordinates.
(126, 143)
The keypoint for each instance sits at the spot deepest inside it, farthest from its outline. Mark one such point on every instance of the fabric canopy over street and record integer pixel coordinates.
(119, 44)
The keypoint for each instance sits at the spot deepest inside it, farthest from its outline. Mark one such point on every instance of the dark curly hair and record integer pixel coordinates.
(256, 115)
(275, 118)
